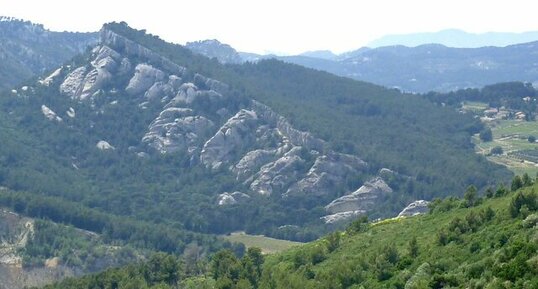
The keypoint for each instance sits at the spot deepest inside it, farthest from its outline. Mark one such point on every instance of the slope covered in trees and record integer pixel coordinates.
(428, 147)
(473, 242)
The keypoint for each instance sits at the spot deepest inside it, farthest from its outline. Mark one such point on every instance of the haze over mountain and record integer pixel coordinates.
(455, 38)
(431, 67)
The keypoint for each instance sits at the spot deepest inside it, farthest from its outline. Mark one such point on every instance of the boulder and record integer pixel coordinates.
(225, 199)
(415, 208)
(342, 217)
(363, 199)
(104, 145)
(145, 76)
(50, 114)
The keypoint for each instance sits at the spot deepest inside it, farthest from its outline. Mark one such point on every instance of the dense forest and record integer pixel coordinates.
(427, 145)
(477, 241)
(508, 94)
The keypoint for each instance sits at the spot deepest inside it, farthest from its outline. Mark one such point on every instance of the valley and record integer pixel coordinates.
(131, 162)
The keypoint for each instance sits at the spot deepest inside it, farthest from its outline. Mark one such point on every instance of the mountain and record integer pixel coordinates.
(323, 54)
(475, 242)
(142, 132)
(224, 53)
(455, 38)
(152, 146)
(433, 67)
(28, 49)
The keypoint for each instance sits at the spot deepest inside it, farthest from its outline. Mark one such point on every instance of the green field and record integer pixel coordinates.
(512, 136)
(268, 245)
(474, 106)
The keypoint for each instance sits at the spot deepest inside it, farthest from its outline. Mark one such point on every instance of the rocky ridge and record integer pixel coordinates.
(201, 117)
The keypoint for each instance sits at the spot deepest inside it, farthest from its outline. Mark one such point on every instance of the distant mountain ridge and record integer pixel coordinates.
(455, 38)
(420, 69)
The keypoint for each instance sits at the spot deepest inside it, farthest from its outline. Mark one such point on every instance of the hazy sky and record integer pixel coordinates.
(277, 25)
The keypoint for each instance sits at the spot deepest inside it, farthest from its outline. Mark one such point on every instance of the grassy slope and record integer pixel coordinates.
(500, 252)
(268, 245)
(512, 136)
(356, 260)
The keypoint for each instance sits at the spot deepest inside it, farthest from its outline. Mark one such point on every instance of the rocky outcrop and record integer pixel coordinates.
(225, 199)
(327, 172)
(145, 77)
(72, 84)
(85, 81)
(278, 175)
(364, 199)
(341, 217)
(176, 129)
(50, 114)
(415, 208)
(132, 49)
(104, 145)
(251, 162)
(49, 79)
(233, 137)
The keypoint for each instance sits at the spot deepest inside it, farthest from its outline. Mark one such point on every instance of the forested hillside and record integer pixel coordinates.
(156, 152)
(474, 242)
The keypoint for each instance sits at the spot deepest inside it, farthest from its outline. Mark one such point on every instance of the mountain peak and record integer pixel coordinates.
(213, 48)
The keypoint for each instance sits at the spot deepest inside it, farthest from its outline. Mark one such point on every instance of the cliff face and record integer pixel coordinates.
(200, 116)
(19, 237)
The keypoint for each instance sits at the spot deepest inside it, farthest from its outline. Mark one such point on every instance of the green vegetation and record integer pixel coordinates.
(79, 249)
(512, 136)
(474, 106)
(489, 243)
(113, 228)
(266, 244)
(475, 242)
(405, 133)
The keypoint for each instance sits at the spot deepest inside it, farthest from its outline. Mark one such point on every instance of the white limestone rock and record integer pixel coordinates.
(104, 145)
(72, 84)
(341, 217)
(50, 114)
(278, 175)
(159, 90)
(362, 199)
(49, 79)
(415, 208)
(225, 199)
(251, 162)
(176, 129)
(145, 76)
(132, 49)
(237, 133)
(71, 112)
(327, 172)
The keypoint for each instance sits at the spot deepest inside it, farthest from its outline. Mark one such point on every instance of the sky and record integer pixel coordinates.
(278, 26)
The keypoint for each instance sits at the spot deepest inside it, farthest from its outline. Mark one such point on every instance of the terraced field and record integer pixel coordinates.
(519, 155)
